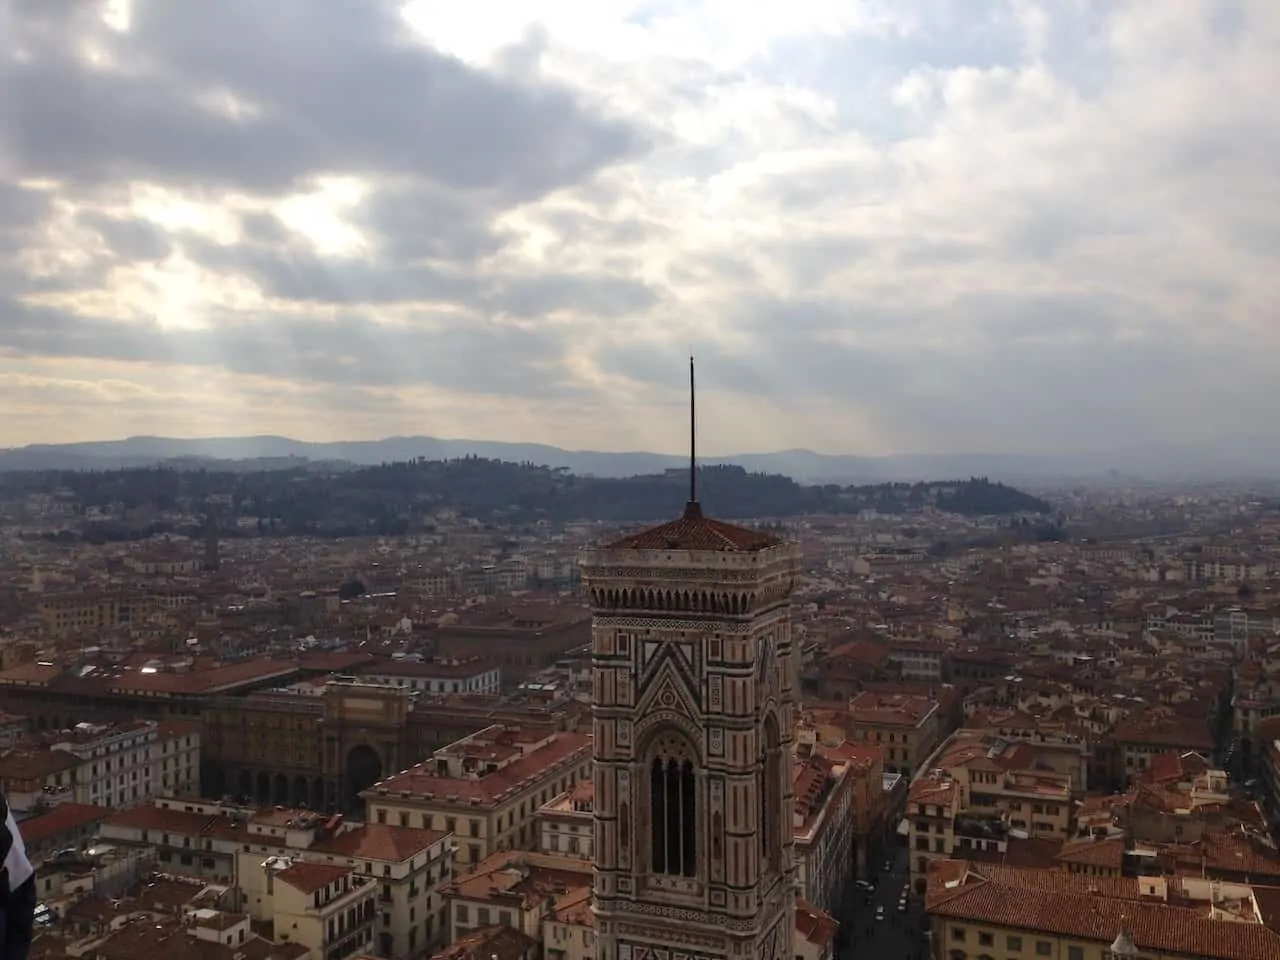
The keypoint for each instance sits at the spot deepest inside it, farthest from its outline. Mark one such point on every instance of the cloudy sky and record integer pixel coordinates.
(882, 225)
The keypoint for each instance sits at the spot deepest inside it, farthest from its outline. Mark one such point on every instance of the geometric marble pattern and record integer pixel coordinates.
(708, 691)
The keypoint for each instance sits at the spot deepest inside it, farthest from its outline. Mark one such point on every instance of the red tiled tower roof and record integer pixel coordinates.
(693, 531)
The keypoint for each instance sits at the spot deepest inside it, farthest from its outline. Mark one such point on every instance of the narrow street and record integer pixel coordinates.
(895, 936)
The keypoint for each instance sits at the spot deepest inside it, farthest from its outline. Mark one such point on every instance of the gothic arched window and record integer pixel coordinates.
(771, 816)
(673, 808)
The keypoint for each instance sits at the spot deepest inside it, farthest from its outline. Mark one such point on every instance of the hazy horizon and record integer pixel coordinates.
(1010, 228)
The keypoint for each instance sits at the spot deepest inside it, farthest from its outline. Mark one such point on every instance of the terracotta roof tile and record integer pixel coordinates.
(489, 943)
(1091, 908)
(422, 778)
(379, 841)
(310, 877)
(65, 816)
(693, 531)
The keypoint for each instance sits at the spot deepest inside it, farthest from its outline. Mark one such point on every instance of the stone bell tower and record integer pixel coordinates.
(694, 698)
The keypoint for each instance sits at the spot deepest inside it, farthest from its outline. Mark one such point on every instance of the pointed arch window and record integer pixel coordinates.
(673, 808)
(769, 794)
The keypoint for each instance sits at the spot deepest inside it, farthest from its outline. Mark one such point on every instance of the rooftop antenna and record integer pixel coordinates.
(692, 509)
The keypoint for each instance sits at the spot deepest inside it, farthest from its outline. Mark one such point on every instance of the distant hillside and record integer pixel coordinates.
(270, 452)
(400, 497)
(1252, 458)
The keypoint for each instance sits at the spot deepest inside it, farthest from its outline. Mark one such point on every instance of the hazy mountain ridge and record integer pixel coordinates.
(274, 452)
(400, 498)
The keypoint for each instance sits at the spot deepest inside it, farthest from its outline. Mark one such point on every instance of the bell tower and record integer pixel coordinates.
(694, 688)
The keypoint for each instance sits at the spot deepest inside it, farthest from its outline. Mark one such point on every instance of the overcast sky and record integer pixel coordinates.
(882, 225)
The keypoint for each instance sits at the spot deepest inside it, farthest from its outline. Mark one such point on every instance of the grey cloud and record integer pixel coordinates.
(339, 88)
(416, 221)
(297, 274)
(263, 228)
(351, 349)
(20, 210)
(129, 239)
(1039, 373)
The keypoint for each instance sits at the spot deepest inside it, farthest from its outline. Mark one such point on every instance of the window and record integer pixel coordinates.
(771, 821)
(673, 808)
(1044, 948)
(1015, 944)
(957, 934)
(986, 939)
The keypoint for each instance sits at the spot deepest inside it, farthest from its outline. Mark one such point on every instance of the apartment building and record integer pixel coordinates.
(108, 766)
(486, 789)
(520, 889)
(869, 801)
(980, 910)
(1137, 741)
(823, 821)
(566, 824)
(436, 677)
(907, 727)
(327, 908)
(408, 865)
(933, 803)
(1029, 786)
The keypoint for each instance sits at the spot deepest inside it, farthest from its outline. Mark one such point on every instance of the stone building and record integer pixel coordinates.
(321, 751)
(695, 684)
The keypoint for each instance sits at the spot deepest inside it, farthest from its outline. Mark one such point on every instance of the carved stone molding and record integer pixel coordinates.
(670, 623)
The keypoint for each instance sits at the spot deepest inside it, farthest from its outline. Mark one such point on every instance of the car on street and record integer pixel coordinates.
(880, 912)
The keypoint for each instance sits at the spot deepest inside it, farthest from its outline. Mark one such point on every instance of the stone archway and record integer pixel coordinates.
(301, 791)
(280, 790)
(263, 793)
(244, 784)
(364, 769)
(213, 779)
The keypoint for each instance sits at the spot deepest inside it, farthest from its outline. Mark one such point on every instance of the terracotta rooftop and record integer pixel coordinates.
(310, 877)
(63, 817)
(422, 778)
(1089, 908)
(693, 531)
(489, 943)
(813, 925)
(522, 876)
(380, 841)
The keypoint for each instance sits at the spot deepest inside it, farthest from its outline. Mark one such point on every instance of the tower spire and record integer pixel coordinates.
(692, 509)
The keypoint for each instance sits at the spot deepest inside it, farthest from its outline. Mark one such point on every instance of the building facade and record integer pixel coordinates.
(108, 766)
(320, 751)
(695, 683)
